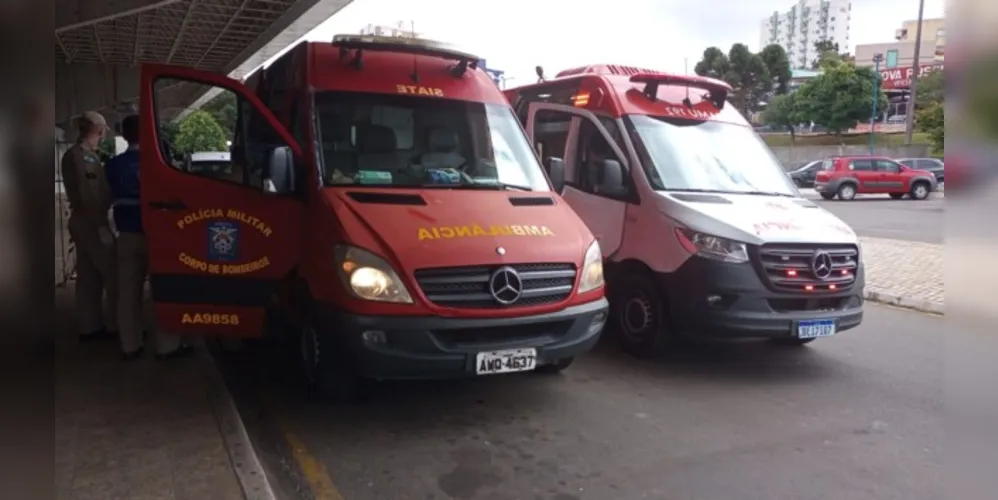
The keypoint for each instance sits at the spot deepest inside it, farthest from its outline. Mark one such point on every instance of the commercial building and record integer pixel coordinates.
(901, 52)
(805, 23)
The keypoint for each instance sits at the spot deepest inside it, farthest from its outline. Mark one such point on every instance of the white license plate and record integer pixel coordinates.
(508, 361)
(812, 329)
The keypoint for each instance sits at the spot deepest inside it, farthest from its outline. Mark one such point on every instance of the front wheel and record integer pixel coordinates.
(638, 317)
(920, 190)
(325, 377)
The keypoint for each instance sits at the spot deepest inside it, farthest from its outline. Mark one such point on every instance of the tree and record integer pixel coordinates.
(782, 112)
(223, 108)
(776, 61)
(744, 71)
(840, 97)
(828, 51)
(199, 131)
(929, 108)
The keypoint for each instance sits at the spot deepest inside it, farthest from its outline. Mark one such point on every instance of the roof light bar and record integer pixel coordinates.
(717, 90)
(418, 46)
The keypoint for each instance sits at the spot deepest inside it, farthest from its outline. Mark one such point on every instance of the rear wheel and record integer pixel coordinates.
(897, 196)
(556, 367)
(847, 192)
(828, 196)
(920, 190)
(638, 317)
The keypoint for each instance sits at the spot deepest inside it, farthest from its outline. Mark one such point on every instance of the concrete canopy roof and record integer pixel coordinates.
(100, 44)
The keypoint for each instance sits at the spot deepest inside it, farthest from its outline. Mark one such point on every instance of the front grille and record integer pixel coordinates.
(788, 267)
(468, 287)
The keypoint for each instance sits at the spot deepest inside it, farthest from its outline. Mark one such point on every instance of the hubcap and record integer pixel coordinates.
(636, 317)
(847, 192)
(920, 191)
(309, 352)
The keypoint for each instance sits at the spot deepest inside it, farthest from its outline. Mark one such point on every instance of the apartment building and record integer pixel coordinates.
(901, 52)
(804, 23)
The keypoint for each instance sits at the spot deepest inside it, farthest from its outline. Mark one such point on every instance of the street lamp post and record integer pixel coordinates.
(877, 58)
(909, 125)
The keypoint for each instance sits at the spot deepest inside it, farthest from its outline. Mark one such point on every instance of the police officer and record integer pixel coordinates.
(132, 251)
(89, 201)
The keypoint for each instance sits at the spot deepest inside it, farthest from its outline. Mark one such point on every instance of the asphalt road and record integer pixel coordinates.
(857, 416)
(879, 216)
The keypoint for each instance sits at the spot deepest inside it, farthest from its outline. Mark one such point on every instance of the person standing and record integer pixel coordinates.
(133, 251)
(89, 201)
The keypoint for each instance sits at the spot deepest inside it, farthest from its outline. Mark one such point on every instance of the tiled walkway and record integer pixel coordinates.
(136, 431)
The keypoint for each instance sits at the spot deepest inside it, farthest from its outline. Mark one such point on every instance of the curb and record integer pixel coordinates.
(904, 302)
(243, 458)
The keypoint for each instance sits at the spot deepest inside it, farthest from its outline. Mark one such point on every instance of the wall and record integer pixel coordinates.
(794, 156)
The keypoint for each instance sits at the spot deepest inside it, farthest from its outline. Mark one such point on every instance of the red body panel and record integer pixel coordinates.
(871, 181)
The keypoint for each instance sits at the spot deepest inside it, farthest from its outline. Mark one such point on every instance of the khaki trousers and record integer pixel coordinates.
(133, 268)
(95, 278)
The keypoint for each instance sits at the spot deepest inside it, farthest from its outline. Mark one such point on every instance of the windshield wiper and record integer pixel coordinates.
(497, 186)
(728, 191)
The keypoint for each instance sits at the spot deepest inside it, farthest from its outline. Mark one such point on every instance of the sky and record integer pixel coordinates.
(517, 35)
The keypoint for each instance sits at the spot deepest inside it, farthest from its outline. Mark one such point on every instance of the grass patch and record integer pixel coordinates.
(881, 139)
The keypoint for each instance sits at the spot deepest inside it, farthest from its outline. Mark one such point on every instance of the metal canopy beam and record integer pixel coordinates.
(116, 15)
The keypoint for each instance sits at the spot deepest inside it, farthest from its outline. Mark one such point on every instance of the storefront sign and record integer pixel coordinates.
(900, 78)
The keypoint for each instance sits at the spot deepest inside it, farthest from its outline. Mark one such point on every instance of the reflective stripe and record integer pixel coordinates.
(127, 202)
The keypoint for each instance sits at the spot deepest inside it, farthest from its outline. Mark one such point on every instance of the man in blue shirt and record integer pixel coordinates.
(133, 252)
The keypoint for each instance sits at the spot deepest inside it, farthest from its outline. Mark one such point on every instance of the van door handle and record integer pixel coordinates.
(167, 205)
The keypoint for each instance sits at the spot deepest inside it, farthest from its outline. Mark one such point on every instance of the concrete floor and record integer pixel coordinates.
(858, 416)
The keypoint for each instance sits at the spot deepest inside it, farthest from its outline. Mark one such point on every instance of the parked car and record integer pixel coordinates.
(847, 176)
(933, 165)
(803, 176)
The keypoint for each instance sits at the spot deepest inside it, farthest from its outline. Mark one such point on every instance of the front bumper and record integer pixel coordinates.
(393, 347)
(747, 308)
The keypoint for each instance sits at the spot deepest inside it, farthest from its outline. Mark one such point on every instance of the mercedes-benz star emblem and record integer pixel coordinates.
(821, 264)
(505, 285)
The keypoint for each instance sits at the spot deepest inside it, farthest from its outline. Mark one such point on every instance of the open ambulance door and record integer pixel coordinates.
(597, 194)
(222, 201)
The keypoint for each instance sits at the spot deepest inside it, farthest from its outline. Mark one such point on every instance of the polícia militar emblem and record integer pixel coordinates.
(223, 241)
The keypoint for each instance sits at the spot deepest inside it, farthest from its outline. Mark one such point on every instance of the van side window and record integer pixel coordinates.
(592, 150)
(551, 135)
(888, 166)
(861, 165)
(226, 139)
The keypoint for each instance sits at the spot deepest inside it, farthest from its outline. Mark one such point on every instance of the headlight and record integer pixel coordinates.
(592, 269)
(368, 276)
(712, 247)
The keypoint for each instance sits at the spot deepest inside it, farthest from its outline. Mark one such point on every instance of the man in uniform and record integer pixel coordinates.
(89, 201)
(132, 250)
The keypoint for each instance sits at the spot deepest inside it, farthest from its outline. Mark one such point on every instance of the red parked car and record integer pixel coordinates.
(847, 176)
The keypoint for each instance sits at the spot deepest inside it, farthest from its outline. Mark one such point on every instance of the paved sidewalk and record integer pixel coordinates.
(136, 431)
(905, 273)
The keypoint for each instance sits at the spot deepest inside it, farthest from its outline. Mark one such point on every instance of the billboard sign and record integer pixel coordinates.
(900, 78)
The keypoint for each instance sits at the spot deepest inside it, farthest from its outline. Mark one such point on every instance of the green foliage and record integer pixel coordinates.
(840, 97)
(782, 112)
(931, 120)
(776, 61)
(199, 131)
(930, 88)
(224, 109)
(828, 53)
(752, 76)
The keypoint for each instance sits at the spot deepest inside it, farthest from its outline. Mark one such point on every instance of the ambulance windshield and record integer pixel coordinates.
(695, 155)
(412, 141)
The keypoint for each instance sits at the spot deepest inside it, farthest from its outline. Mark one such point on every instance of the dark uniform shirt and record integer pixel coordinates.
(123, 177)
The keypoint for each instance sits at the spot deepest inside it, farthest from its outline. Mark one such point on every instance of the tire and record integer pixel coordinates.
(327, 377)
(920, 190)
(554, 368)
(828, 196)
(638, 317)
(897, 196)
(791, 342)
(846, 191)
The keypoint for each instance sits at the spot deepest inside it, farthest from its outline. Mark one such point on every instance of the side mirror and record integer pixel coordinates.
(612, 183)
(280, 176)
(556, 172)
